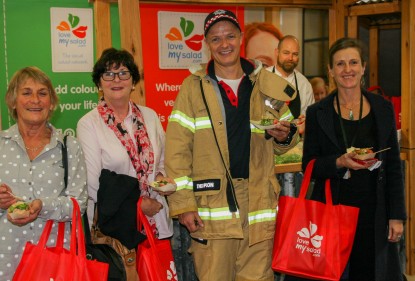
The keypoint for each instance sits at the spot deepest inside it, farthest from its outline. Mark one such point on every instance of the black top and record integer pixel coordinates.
(360, 189)
(237, 122)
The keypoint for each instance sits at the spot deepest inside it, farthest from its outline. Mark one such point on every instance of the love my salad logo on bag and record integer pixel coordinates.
(72, 41)
(171, 273)
(309, 241)
(180, 37)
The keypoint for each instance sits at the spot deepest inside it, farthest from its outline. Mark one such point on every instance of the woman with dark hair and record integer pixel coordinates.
(350, 117)
(121, 138)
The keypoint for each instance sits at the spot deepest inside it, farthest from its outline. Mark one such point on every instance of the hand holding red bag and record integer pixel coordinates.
(312, 239)
(154, 257)
(40, 263)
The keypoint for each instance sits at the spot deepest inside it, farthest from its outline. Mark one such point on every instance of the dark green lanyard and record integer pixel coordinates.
(341, 121)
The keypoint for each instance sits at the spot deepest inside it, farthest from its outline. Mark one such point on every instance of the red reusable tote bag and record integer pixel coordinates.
(154, 257)
(41, 263)
(312, 239)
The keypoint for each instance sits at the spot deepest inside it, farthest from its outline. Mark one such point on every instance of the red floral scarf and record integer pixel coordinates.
(141, 156)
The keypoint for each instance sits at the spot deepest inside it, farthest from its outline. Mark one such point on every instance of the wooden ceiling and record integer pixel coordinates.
(311, 4)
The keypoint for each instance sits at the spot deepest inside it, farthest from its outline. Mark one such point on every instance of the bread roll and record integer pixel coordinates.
(19, 210)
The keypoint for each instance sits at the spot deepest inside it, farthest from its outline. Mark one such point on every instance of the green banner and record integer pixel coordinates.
(26, 41)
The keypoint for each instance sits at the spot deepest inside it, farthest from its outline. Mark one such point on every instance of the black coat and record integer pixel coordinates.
(117, 207)
(321, 143)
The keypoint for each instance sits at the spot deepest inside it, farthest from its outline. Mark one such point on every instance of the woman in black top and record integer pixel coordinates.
(352, 117)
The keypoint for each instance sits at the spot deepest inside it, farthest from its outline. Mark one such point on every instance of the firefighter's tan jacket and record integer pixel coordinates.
(192, 158)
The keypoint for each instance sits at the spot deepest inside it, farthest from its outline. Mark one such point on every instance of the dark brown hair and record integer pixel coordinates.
(115, 58)
(344, 43)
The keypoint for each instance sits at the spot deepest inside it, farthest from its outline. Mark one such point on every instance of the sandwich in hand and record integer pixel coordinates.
(268, 121)
(364, 156)
(19, 210)
(159, 183)
(362, 151)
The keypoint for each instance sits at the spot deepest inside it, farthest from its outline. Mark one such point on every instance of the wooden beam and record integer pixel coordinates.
(273, 15)
(332, 26)
(102, 24)
(130, 30)
(352, 27)
(311, 4)
(336, 29)
(332, 38)
(375, 9)
(347, 3)
(408, 122)
(373, 56)
(389, 26)
(340, 15)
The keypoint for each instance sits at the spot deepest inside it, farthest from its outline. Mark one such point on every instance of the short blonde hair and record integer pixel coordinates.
(20, 77)
(317, 81)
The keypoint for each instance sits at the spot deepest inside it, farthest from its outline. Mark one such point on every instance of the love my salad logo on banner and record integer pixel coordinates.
(72, 39)
(181, 40)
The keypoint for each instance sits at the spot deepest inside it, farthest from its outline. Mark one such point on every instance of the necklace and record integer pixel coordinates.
(351, 116)
(347, 175)
(350, 109)
(341, 121)
(36, 148)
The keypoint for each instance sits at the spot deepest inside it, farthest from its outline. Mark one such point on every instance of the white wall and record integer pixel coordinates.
(253, 14)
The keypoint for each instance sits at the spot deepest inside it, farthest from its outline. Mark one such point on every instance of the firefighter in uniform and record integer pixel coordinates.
(212, 142)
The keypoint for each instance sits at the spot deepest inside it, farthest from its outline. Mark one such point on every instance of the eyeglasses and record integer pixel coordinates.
(110, 76)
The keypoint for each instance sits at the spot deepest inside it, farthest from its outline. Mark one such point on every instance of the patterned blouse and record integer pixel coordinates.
(42, 178)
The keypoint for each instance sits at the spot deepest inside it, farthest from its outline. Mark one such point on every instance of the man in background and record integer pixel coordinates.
(261, 41)
(287, 57)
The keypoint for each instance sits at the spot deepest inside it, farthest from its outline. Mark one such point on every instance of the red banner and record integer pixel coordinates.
(172, 40)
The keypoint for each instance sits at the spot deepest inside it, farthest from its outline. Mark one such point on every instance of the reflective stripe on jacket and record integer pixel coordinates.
(193, 160)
